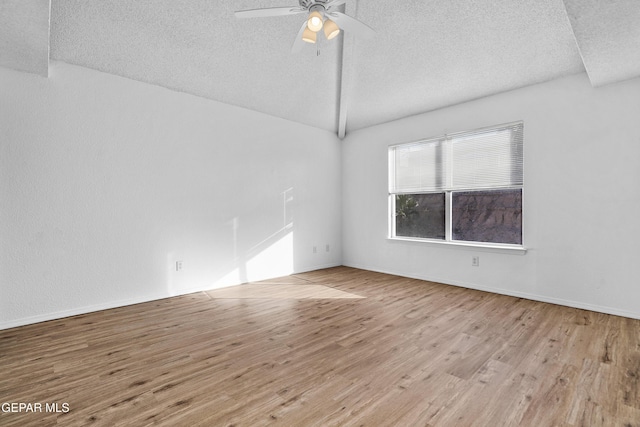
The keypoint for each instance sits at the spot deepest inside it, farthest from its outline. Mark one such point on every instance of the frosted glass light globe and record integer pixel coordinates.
(314, 23)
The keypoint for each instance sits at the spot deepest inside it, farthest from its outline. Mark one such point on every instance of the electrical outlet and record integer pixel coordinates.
(327, 248)
(475, 261)
(315, 249)
(179, 265)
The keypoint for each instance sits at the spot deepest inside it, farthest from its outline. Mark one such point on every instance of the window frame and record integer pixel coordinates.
(448, 214)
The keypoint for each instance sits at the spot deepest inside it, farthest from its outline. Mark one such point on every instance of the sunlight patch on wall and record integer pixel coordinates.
(276, 260)
(230, 279)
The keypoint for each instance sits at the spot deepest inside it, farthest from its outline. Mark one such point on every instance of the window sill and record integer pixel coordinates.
(505, 249)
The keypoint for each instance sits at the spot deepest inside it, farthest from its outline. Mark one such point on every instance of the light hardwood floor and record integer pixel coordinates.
(335, 347)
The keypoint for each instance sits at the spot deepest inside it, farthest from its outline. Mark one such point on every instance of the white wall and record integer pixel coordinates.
(581, 197)
(106, 182)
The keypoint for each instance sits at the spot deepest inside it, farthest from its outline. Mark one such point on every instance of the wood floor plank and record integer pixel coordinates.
(333, 347)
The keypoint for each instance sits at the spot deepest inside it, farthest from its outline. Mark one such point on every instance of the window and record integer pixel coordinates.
(465, 187)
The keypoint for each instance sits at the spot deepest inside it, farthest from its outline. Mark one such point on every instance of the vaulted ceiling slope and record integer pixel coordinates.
(427, 54)
(24, 35)
(608, 35)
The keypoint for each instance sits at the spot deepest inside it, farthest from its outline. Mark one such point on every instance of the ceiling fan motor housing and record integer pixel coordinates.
(312, 5)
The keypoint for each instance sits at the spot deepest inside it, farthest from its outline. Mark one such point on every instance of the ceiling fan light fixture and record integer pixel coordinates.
(314, 22)
(309, 36)
(331, 29)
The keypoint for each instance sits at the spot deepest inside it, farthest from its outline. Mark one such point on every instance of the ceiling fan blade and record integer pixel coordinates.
(298, 42)
(352, 25)
(269, 11)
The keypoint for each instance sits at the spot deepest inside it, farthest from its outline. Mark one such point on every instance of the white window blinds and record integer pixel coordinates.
(418, 167)
(483, 159)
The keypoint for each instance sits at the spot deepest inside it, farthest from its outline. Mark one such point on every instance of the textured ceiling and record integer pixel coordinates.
(434, 53)
(24, 35)
(199, 47)
(427, 54)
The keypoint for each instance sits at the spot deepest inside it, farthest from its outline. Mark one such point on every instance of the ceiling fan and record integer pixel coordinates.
(322, 15)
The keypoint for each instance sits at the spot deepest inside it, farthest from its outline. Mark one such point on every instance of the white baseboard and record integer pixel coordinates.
(318, 267)
(534, 297)
(77, 311)
(120, 303)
